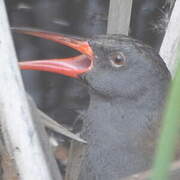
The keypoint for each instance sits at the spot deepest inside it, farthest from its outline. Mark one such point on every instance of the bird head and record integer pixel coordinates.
(111, 65)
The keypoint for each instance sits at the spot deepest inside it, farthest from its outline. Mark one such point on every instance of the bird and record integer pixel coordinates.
(127, 82)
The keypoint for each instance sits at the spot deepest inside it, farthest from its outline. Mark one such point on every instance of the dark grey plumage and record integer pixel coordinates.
(124, 113)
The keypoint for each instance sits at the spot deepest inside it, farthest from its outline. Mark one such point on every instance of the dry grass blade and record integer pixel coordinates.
(56, 127)
(52, 124)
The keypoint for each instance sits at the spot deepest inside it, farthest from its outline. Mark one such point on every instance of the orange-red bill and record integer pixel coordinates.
(79, 45)
(72, 67)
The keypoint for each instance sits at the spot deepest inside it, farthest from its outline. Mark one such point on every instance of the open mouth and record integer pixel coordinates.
(72, 66)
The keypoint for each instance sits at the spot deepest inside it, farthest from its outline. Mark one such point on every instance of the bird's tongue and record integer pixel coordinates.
(73, 66)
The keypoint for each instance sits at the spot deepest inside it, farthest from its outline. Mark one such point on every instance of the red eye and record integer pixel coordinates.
(118, 60)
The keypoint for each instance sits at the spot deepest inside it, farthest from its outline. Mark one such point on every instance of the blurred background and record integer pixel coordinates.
(60, 97)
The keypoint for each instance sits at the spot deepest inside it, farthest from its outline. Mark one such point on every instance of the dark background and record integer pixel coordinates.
(60, 97)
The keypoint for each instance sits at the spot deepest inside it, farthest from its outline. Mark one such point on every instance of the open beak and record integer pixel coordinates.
(73, 66)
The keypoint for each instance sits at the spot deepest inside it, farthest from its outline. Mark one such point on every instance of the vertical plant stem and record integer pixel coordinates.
(168, 137)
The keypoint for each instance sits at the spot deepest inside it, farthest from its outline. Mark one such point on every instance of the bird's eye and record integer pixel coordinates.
(118, 60)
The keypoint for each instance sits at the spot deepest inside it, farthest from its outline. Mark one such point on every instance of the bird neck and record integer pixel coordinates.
(116, 130)
(106, 113)
(120, 113)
